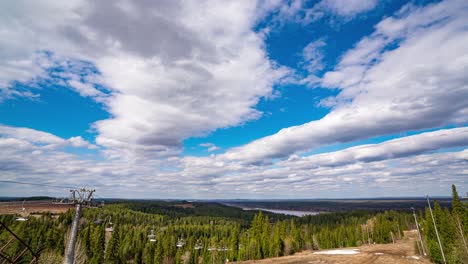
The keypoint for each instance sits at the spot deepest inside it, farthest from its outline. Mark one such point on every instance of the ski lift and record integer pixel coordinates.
(98, 221)
(21, 218)
(109, 227)
(211, 248)
(152, 236)
(180, 243)
(198, 245)
(58, 201)
(223, 249)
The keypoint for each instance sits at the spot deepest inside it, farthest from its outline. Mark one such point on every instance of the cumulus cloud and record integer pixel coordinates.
(363, 171)
(392, 149)
(170, 70)
(167, 66)
(410, 74)
(44, 139)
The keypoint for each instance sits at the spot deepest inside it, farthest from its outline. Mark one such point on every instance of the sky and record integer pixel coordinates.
(235, 99)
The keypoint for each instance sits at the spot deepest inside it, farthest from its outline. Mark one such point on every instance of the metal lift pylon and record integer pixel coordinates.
(16, 258)
(80, 198)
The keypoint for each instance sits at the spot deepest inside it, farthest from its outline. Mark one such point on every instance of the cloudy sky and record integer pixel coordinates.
(234, 99)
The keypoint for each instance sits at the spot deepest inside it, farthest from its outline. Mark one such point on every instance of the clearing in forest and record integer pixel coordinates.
(402, 252)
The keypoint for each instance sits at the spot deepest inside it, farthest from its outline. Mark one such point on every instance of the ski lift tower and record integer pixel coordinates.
(79, 198)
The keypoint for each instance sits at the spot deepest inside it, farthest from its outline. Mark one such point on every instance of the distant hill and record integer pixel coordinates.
(31, 198)
(339, 205)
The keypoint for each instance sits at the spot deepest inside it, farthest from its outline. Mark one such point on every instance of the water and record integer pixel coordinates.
(285, 212)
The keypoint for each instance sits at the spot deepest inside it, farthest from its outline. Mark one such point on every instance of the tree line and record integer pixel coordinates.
(117, 234)
(129, 232)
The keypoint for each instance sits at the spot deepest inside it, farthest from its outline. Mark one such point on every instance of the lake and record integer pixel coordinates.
(285, 212)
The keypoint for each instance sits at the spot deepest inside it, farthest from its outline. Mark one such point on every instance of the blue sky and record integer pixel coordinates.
(234, 99)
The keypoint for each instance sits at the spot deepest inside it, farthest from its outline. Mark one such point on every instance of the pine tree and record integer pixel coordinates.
(113, 248)
(158, 253)
(234, 244)
(457, 206)
(148, 253)
(265, 237)
(276, 245)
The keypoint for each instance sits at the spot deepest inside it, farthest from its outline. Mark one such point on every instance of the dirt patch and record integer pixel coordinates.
(33, 207)
(402, 252)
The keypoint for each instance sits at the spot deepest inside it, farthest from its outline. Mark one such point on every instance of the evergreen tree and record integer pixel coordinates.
(234, 244)
(98, 244)
(113, 248)
(276, 245)
(457, 206)
(158, 253)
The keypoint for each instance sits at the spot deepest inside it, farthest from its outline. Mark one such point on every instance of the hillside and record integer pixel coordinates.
(402, 252)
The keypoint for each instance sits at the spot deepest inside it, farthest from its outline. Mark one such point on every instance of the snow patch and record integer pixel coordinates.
(378, 253)
(338, 252)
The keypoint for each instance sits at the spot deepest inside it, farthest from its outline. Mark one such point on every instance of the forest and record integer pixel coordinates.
(182, 232)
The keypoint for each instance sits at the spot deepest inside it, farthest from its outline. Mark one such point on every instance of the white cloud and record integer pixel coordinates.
(301, 12)
(85, 89)
(210, 146)
(172, 70)
(80, 142)
(373, 170)
(419, 84)
(43, 139)
(348, 8)
(313, 56)
(30, 135)
(392, 149)
(25, 30)
(168, 65)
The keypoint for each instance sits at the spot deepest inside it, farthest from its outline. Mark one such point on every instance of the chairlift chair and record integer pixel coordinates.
(180, 243)
(223, 249)
(98, 221)
(198, 246)
(211, 248)
(152, 236)
(109, 227)
(21, 218)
